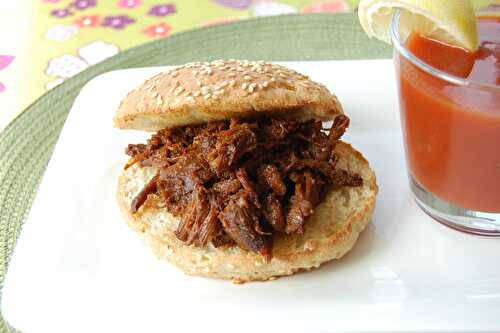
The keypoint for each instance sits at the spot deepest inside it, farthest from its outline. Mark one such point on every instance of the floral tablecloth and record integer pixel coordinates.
(45, 42)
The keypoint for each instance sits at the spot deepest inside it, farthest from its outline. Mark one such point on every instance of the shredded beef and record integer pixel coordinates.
(231, 145)
(273, 212)
(309, 191)
(240, 219)
(140, 199)
(239, 182)
(194, 215)
(226, 187)
(269, 176)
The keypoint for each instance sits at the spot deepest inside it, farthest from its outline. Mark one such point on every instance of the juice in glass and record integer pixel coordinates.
(450, 114)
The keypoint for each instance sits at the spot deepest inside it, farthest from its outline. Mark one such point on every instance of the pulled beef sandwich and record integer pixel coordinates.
(242, 180)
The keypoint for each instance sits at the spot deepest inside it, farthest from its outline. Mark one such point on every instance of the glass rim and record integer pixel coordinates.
(405, 52)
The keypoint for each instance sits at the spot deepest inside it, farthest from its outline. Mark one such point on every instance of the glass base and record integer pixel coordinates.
(465, 220)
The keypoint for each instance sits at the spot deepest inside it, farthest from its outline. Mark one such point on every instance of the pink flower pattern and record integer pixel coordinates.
(336, 6)
(129, 4)
(158, 30)
(162, 10)
(5, 61)
(61, 12)
(117, 22)
(90, 21)
(84, 4)
(74, 19)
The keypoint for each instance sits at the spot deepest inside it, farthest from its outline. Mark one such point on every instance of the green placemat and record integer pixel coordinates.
(27, 143)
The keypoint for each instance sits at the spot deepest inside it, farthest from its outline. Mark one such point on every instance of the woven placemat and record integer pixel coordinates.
(27, 143)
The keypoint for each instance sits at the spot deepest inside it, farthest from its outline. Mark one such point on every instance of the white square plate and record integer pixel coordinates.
(78, 267)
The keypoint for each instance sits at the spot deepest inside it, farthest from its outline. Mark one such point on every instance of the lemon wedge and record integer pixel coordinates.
(449, 21)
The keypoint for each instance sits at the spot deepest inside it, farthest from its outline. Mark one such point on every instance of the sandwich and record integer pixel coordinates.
(245, 176)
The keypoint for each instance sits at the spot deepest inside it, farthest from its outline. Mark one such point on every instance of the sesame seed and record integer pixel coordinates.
(190, 98)
(207, 96)
(260, 86)
(244, 86)
(159, 100)
(223, 84)
(231, 74)
(265, 84)
(154, 94)
(247, 77)
(196, 93)
(250, 89)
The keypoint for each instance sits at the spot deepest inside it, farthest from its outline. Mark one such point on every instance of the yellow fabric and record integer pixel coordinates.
(45, 41)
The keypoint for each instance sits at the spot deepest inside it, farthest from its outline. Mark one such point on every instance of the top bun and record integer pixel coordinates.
(200, 92)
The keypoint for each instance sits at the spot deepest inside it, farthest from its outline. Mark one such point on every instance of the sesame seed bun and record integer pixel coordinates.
(200, 92)
(329, 233)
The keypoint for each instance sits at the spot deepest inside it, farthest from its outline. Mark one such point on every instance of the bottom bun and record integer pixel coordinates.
(329, 233)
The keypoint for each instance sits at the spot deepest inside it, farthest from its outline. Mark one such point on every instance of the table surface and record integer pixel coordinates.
(404, 269)
(45, 42)
(26, 145)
